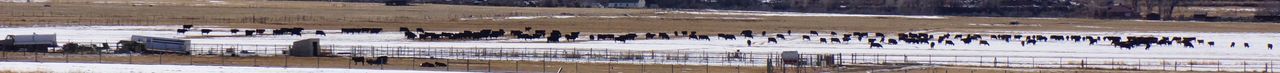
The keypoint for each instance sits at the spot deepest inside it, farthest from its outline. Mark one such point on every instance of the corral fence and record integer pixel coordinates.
(587, 59)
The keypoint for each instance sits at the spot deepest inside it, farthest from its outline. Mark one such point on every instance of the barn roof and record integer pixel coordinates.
(1120, 9)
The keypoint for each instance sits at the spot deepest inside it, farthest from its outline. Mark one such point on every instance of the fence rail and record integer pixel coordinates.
(668, 57)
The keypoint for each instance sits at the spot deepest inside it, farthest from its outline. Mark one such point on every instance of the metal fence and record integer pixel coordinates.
(574, 60)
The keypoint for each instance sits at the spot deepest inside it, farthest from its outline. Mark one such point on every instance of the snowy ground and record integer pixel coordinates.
(1051, 49)
(24, 1)
(132, 68)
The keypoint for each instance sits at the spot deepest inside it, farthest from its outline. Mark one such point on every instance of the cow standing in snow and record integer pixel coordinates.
(875, 45)
(321, 33)
(205, 31)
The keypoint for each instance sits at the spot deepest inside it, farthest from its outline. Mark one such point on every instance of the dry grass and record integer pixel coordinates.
(394, 64)
(329, 15)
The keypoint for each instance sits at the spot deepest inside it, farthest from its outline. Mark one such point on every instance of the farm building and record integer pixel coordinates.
(306, 48)
(625, 4)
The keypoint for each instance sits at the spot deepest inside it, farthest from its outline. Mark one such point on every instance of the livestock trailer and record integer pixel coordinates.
(30, 43)
(163, 45)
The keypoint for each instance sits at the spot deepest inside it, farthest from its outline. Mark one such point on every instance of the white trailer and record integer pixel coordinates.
(34, 39)
(163, 44)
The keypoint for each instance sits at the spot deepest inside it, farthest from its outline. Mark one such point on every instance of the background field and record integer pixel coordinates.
(329, 15)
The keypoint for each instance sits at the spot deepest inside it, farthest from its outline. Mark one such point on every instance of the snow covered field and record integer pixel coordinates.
(1258, 53)
(132, 68)
(24, 1)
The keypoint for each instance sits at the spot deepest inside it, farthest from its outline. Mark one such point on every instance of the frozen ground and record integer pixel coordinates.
(132, 68)
(24, 1)
(1069, 49)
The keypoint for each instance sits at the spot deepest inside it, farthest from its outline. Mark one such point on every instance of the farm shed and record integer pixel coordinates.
(306, 48)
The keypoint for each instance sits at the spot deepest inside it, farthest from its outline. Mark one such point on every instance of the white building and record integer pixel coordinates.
(625, 4)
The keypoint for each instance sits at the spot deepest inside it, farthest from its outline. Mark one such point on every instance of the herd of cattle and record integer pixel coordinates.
(872, 39)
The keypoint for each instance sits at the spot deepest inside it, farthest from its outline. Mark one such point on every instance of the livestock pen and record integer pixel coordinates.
(605, 60)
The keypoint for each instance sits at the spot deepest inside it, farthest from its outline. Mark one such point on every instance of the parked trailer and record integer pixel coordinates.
(30, 43)
(163, 45)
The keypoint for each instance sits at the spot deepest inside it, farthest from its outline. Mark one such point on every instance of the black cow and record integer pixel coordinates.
(805, 37)
(410, 35)
(318, 32)
(572, 35)
(380, 60)
(779, 36)
(823, 40)
(773, 40)
(554, 36)
(664, 36)
(727, 36)
(984, 42)
(892, 41)
(704, 37)
(875, 45)
(358, 60)
(1188, 45)
(183, 30)
(235, 30)
(249, 33)
(835, 40)
(649, 35)
(187, 26)
(813, 32)
(1246, 45)
(205, 31)
(260, 31)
